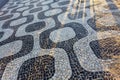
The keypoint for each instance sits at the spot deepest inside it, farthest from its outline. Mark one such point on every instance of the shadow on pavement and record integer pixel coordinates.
(3, 2)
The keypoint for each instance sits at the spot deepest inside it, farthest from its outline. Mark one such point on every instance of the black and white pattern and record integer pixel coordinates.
(54, 40)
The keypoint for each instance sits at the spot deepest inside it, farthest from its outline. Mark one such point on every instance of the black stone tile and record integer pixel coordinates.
(6, 17)
(35, 10)
(39, 68)
(63, 3)
(1, 34)
(106, 48)
(35, 26)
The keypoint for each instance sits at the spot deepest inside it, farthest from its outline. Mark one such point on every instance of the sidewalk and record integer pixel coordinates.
(60, 40)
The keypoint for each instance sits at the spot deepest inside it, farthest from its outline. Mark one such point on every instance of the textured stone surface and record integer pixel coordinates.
(62, 34)
(35, 26)
(10, 49)
(60, 40)
(19, 21)
(37, 68)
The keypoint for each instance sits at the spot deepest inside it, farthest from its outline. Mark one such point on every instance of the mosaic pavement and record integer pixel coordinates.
(59, 40)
